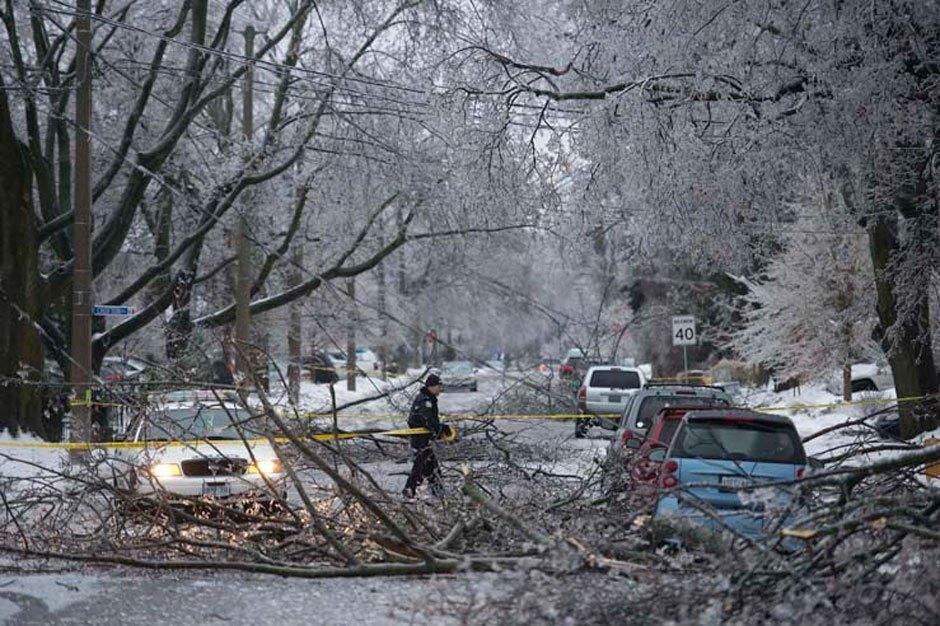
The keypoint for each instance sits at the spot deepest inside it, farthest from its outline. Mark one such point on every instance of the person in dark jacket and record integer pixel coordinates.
(424, 414)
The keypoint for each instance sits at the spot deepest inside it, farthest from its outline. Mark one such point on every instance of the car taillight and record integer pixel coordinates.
(799, 472)
(582, 398)
(666, 478)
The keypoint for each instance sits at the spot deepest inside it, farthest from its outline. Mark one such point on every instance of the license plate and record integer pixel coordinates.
(613, 398)
(735, 481)
(216, 490)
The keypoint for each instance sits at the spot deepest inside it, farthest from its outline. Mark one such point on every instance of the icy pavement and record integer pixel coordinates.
(97, 596)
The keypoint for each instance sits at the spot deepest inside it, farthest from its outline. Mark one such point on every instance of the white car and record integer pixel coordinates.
(606, 390)
(201, 447)
(865, 377)
(367, 360)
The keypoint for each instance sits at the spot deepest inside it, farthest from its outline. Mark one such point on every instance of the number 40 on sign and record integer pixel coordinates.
(683, 330)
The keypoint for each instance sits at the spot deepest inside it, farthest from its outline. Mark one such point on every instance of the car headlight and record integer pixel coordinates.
(266, 467)
(165, 470)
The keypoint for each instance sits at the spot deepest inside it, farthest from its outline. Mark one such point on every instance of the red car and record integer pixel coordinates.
(644, 473)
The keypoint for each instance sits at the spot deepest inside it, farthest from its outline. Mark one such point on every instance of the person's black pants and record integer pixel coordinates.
(425, 467)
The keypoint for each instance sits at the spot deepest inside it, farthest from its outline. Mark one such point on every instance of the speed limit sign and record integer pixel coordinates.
(683, 330)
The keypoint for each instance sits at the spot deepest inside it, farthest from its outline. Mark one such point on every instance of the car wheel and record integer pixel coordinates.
(473, 387)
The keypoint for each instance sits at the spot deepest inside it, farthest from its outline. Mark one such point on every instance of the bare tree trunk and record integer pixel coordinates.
(295, 330)
(21, 293)
(243, 282)
(906, 341)
(351, 336)
(847, 382)
(383, 321)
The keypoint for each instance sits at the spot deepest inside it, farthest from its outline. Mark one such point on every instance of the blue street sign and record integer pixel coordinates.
(104, 309)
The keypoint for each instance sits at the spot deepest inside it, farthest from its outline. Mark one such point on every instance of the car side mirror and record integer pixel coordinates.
(657, 455)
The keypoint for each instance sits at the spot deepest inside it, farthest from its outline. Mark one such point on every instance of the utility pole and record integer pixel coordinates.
(243, 276)
(80, 370)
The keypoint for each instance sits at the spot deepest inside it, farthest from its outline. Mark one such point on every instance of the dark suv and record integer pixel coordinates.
(645, 403)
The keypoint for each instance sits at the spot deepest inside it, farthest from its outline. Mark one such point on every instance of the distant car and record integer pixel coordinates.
(367, 360)
(458, 375)
(701, 377)
(319, 367)
(605, 389)
(715, 453)
(198, 443)
(865, 377)
(338, 361)
(122, 369)
(575, 364)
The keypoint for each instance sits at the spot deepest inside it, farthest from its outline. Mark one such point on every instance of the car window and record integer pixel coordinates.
(615, 379)
(627, 409)
(739, 440)
(199, 423)
(458, 368)
(668, 431)
(652, 404)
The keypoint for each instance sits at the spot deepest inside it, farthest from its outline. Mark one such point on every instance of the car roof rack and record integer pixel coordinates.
(671, 383)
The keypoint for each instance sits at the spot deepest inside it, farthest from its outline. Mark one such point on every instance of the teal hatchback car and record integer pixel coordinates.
(712, 472)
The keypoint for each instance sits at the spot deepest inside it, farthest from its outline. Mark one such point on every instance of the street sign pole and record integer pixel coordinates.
(684, 334)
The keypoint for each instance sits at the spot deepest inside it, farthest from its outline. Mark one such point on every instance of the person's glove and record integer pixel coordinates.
(448, 433)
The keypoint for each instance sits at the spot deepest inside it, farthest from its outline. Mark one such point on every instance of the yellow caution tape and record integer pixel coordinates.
(834, 405)
(401, 432)
(398, 432)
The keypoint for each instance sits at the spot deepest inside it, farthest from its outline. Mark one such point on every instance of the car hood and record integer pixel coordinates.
(178, 451)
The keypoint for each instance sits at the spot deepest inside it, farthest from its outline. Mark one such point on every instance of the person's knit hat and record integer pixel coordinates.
(432, 380)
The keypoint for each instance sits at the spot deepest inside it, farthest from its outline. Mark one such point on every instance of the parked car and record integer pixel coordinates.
(642, 471)
(459, 375)
(716, 452)
(367, 360)
(122, 369)
(575, 364)
(198, 443)
(319, 367)
(605, 390)
(645, 403)
(338, 362)
(700, 377)
(865, 377)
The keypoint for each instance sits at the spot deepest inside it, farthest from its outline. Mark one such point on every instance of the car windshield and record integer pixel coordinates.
(739, 440)
(200, 423)
(652, 404)
(458, 368)
(615, 379)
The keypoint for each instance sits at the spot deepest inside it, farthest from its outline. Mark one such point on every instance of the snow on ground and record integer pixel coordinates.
(119, 596)
(24, 456)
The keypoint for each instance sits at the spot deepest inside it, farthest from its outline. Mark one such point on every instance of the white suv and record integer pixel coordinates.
(605, 390)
